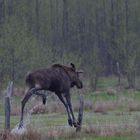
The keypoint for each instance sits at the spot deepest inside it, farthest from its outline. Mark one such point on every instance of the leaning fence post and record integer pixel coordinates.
(7, 107)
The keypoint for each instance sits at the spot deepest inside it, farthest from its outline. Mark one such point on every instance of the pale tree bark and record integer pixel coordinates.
(129, 68)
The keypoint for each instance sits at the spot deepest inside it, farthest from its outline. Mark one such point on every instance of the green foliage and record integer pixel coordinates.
(92, 34)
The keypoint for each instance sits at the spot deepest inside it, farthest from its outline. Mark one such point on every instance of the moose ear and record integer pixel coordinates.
(73, 66)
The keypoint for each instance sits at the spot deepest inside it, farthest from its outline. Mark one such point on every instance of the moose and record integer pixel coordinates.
(58, 79)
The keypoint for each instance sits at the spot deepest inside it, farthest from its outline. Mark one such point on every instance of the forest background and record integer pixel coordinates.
(99, 36)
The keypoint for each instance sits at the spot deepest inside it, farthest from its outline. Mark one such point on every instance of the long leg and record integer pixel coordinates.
(67, 109)
(68, 99)
(23, 102)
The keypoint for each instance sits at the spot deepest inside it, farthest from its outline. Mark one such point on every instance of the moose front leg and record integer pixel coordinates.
(70, 122)
(68, 99)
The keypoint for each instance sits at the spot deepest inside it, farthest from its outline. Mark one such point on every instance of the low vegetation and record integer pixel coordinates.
(109, 114)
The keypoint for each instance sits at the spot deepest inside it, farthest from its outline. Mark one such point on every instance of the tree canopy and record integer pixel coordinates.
(93, 34)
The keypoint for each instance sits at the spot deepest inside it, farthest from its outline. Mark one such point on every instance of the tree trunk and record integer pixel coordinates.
(130, 69)
(65, 22)
(37, 19)
(94, 81)
(131, 80)
(118, 73)
(2, 12)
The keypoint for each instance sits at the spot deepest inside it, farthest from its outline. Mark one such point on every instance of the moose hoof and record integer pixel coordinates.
(75, 124)
(44, 100)
(20, 125)
(78, 128)
(70, 122)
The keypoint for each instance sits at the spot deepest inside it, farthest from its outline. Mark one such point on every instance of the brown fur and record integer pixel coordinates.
(58, 79)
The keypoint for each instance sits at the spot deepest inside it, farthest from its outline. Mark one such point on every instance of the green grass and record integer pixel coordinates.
(42, 121)
(120, 116)
(103, 138)
(1, 109)
(107, 82)
(101, 96)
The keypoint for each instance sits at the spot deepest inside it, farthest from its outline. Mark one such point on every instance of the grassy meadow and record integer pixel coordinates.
(110, 113)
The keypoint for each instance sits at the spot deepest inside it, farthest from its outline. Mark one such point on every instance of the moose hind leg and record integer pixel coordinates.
(44, 98)
(23, 102)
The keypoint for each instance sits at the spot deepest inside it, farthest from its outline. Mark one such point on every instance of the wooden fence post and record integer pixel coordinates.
(7, 107)
(80, 114)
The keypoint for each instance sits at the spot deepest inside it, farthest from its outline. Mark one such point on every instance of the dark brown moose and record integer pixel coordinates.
(58, 79)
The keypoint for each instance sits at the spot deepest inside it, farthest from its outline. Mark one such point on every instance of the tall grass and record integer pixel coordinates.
(107, 130)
